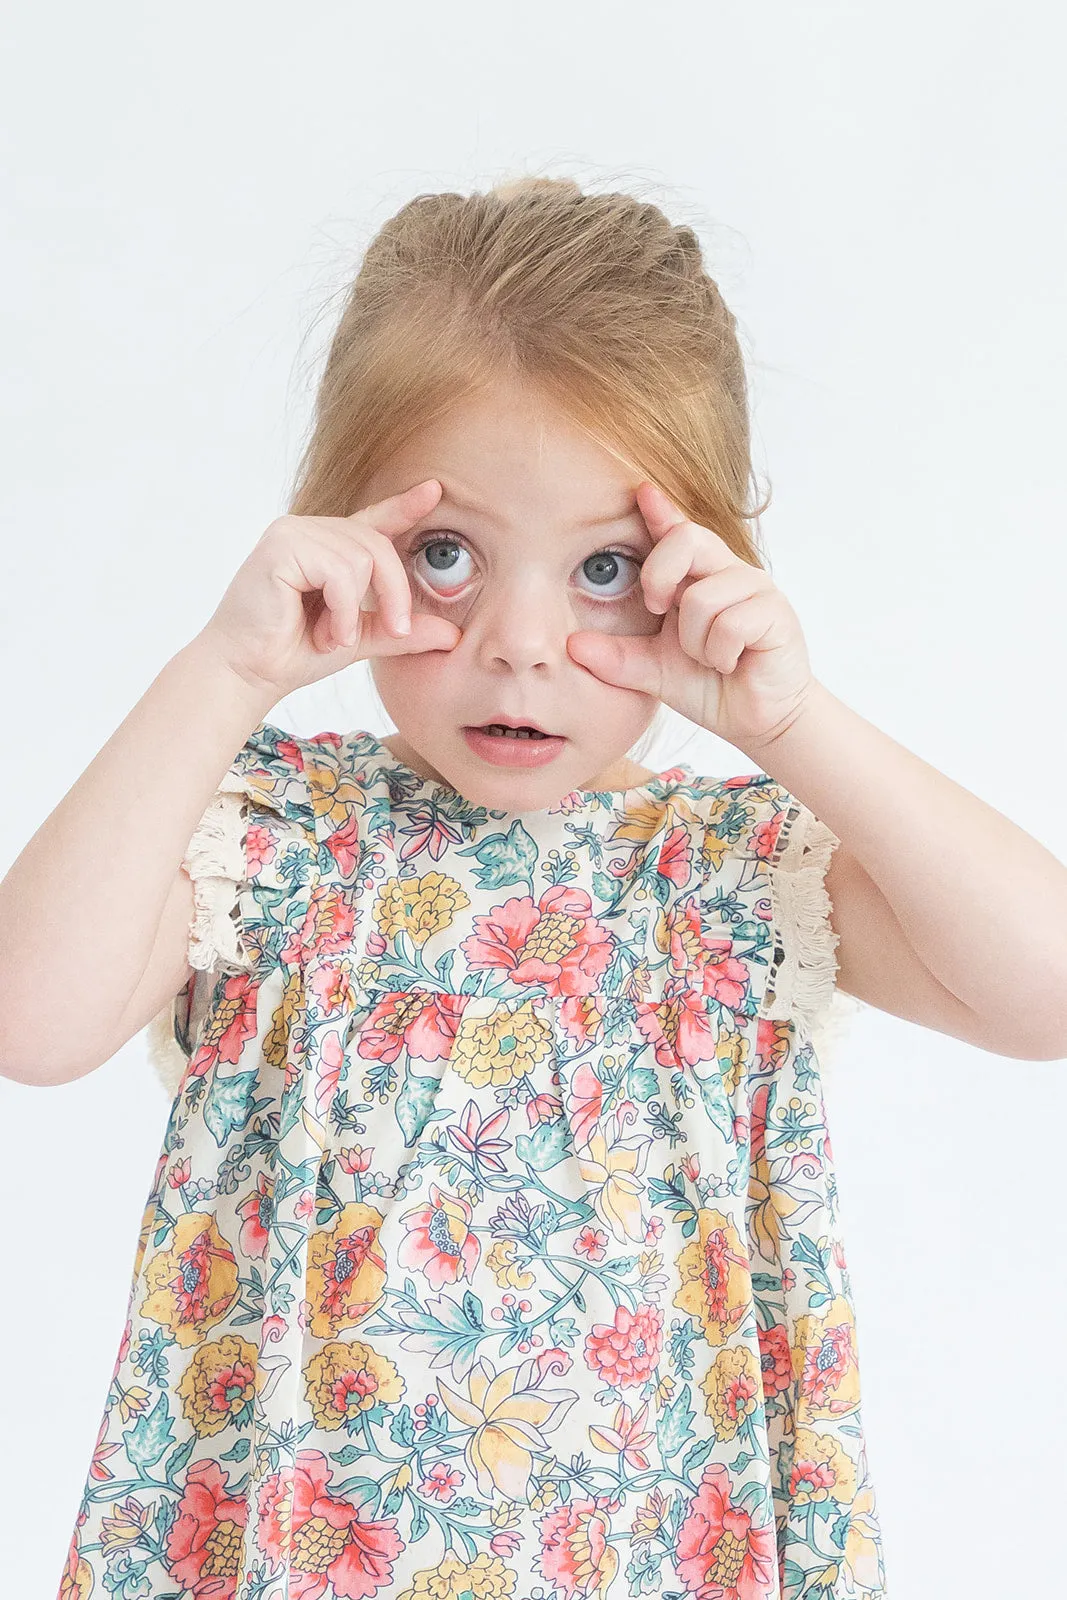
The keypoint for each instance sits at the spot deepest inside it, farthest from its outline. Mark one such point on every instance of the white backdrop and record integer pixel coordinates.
(881, 195)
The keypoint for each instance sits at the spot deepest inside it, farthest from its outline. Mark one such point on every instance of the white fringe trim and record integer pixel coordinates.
(215, 862)
(800, 983)
(801, 987)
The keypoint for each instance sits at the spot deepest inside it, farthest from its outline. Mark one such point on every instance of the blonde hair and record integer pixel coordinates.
(596, 300)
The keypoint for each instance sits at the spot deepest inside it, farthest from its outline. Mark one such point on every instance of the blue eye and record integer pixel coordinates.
(604, 567)
(441, 558)
(606, 570)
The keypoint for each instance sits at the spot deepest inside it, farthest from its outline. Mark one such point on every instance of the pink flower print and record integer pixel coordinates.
(556, 942)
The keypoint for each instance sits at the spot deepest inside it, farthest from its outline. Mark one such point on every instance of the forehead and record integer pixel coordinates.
(507, 452)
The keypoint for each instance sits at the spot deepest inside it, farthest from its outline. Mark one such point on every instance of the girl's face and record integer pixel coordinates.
(537, 534)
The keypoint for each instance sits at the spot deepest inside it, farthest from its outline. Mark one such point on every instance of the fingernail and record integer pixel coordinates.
(403, 623)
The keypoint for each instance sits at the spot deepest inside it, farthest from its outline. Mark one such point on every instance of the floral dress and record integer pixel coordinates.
(493, 1251)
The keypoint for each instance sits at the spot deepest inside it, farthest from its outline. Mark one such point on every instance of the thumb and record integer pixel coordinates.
(427, 633)
(628, 662)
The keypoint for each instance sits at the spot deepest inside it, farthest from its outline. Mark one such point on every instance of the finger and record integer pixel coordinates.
(398, 512)
(338, 627)
(380, 575)
(683, 549)
(707, 598)
(427, 633)
(624, 660)
(751, 625)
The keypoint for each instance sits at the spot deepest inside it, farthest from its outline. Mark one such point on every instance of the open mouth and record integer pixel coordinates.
(500, 731)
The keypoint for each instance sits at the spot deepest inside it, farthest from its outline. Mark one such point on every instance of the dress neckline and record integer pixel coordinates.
(659, 783)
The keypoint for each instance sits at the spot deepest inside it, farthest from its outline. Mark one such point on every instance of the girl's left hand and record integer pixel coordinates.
(731, 654)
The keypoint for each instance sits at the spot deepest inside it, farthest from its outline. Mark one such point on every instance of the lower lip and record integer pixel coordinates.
(504, 752)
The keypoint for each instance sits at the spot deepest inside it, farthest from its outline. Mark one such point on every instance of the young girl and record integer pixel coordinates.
(494, 1249)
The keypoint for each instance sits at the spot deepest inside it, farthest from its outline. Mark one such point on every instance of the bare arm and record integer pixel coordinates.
(94, 913)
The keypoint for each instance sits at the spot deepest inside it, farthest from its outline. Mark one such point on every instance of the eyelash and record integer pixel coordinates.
(451, 538)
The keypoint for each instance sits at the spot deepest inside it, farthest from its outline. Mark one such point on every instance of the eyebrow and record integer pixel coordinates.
(479, 507)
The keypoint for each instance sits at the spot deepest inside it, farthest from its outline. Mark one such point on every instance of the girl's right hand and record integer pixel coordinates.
(294, 612)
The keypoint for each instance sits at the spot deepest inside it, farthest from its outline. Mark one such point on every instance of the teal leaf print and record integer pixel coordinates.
(643, 1083)
(546, 1146)
(229, 1105)
(414, 1105)
(675, 1426)
(506, 858)
(151, 1435)
(446, 1330)
(239, 1451)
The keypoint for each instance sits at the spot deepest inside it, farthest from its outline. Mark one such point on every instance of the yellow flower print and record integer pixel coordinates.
(716, 1281)
(419, 907)
(344, 1379)
(285, 1014)
(484, 1578)
(821, 1469)
(346, 1271)
(333, 792)
(615, 1171)
(731, 1052)
(193, 1282)
(733, 1389)
(128, 1522)
(825, 1362)
(510, 1414)
(501, 1047)
(503, 1264)
(649, 1518)
(862, 1553)
(218, 1386)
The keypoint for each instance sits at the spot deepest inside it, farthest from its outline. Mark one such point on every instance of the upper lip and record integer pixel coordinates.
(515, 722)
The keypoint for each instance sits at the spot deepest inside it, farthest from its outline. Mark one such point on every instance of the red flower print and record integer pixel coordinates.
(428, 830)
(581, 1018)
(681, 1027)
(775, 1359)
(676, 856)
(257, 1211)
(355, 1158)
(575, 1554)
(477, 1138)
(322, 1540)
(205, 1543)
(423, 1024)
(557, 942)
(591, 1243)
(350, 1254)
(625, 1352)
(720, 1555)
(344, 845)
(327, 927)
(439, 1241)
(260, 848)
(764, 837)
(97, 1469)
(825, 1365)
(584, 1103)
(233, 1021)
(441, 1482)
(330, 982)
(543, 1108)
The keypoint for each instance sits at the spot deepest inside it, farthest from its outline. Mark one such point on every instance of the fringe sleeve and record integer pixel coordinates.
(801, 982)
(215, 862)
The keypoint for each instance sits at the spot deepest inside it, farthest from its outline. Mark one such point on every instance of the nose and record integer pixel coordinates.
(521, 625)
